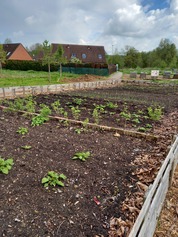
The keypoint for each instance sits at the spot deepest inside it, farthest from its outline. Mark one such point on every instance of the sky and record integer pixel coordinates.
(114, 24)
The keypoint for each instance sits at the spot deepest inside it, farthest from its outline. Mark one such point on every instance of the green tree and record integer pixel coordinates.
(116, 58)
(166, 52)
(35, 50)
(48, 57)
(7, 41)
(59, 58)
(2, 57)
(131, 57)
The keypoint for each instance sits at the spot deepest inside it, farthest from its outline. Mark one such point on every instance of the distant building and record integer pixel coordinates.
(85, 53)
(16, 52)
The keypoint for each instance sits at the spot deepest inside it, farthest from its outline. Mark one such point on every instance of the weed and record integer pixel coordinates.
(53, 179)
(30, 105)
(142, 129)
(78, 130)
(6, 165)
(22, 130)
(81, 156)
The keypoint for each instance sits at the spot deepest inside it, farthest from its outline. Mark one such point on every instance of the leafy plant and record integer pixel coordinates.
(100, 108)
(22, 130)
(6, 165)
(52, 178)
(77, 101)
(42, 117)
(30, 105)
(75, 112)
(111, 105)
(125, 115)
(56, 106)
(155, 113)
(81, 156)
(96, 115)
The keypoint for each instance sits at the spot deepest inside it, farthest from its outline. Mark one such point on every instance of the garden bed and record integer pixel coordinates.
(101, 196)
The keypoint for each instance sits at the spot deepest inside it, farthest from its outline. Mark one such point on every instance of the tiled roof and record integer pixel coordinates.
(10, 48)
(86, 53)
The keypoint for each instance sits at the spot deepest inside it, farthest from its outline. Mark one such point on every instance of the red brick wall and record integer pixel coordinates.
(20, 54)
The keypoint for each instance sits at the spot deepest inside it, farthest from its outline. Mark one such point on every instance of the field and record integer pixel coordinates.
(103, 193)
(31, 78)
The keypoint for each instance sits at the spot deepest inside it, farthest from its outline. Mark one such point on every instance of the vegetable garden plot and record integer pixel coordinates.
(100, 177)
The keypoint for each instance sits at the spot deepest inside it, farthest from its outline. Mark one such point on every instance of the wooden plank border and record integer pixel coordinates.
(147, 219)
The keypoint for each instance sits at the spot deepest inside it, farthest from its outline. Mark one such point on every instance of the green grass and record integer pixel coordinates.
(10, 78)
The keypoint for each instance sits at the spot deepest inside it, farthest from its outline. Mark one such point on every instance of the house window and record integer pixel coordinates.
(100, 56)
(74, 55)
(84, 55)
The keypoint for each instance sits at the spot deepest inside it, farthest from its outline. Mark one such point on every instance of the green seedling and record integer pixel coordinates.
(42, 117)
(75, 112)
(81, 156)
(155, 113)
(56, 106)
(111, 105)
(22, 130)
(77, 101)
(96, 115)
(26, 147)
(52, 178)
(6, 165)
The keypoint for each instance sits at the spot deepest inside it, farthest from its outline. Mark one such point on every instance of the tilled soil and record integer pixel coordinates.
(95, 191)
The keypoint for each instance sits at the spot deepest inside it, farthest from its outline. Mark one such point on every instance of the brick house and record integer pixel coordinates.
(86, 53)
(16, 52)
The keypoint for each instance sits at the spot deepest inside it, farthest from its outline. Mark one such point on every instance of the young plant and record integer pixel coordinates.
(111, 105)
(56, 106)
(155, 113)
(52, 178)
(75, 112)
(22, 130)
(6, 165)
(96, 115)
(77, 101)
(26, 147)
(81, 156)
(30, 105)
(42, 117)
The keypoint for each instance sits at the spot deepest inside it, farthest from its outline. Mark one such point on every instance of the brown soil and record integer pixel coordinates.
(103, 195)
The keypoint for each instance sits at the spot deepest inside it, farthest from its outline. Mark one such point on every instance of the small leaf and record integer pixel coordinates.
(62, 176)
(45, 180)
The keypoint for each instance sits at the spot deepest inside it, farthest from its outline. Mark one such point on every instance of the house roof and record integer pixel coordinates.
(10, 48)
(13, 48)
(86, 53)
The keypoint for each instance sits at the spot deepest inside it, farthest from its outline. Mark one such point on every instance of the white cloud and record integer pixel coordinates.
(30, 20)
(98, 22)
(18, 34)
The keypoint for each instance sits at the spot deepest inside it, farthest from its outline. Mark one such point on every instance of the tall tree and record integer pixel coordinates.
(2, 57)
(166, 51)
(132, 57)
(35, 49)
(59, 58)
(7, 41)
(48, 57)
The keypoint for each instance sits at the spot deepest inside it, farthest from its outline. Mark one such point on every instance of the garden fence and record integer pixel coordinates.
(12, 92)
(147, 220)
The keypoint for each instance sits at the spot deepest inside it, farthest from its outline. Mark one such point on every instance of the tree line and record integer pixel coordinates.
(164, 56)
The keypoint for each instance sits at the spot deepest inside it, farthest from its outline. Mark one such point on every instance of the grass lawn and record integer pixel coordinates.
(30, 78)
